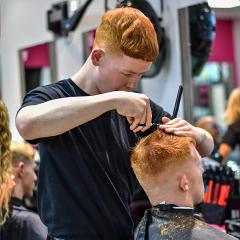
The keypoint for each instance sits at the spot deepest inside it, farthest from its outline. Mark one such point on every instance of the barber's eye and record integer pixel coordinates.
(127, 74)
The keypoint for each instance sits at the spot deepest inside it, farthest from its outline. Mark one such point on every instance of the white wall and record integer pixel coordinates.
(70, 50)
(23, 24)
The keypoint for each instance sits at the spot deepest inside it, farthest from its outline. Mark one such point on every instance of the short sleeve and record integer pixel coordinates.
(158, 112)
(37, 96)
(40, 95)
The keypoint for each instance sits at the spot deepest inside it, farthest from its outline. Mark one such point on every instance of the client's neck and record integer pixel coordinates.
(170, 196)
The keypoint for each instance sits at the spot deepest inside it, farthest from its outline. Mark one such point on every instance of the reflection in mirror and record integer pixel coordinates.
(211, 88)
(37, 66)
(214, 83)
(209, 70)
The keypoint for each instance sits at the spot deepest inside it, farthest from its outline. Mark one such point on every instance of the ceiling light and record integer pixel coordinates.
(74, 5)
(223, 3)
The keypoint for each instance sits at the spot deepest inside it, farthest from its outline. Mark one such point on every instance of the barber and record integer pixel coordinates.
(86, 126)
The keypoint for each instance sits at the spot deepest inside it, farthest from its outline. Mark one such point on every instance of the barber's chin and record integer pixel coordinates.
(126, 89)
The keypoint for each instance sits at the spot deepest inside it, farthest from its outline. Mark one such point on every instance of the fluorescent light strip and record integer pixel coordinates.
(223, 3)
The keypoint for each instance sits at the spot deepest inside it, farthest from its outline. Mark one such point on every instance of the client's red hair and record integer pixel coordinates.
(158, 151)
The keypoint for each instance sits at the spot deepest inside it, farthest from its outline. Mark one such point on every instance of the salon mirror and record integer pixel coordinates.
(37, 66)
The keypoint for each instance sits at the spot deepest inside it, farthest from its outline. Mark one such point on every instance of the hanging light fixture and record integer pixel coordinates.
(223, 3)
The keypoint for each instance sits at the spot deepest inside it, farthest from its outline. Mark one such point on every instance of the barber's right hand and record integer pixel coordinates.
(136, 107)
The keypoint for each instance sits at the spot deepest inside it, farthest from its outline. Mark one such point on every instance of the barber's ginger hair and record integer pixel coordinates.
(127, 30)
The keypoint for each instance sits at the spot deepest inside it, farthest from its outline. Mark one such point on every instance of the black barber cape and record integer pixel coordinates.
(85, 182)
(22, 224)
(170, 222)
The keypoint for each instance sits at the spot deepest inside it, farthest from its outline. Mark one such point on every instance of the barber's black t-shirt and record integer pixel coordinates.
(232, 135)
(85, 179)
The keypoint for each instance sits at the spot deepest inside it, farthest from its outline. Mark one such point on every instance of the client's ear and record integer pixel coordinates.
(184, 184)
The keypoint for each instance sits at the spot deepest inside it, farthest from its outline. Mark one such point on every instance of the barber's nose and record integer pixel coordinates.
(133, 83)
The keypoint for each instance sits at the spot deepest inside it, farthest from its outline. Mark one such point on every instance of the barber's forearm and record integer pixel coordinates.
(60, 115)
(205, 143)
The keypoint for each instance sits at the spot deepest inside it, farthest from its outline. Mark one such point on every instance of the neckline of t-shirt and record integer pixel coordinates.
(77, 88)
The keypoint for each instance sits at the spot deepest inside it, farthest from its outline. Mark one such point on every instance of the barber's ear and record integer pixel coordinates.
(96, 55)
(184, 184)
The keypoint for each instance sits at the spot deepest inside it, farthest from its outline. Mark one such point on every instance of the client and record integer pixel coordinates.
(169, 169)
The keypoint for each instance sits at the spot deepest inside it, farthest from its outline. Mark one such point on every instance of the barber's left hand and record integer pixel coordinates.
(180, 127)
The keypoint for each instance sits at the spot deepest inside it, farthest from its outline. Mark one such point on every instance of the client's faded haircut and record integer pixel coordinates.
(158, 151)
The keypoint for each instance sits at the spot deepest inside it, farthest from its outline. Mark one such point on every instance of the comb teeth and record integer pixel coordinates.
(153, 124)
(156, 124)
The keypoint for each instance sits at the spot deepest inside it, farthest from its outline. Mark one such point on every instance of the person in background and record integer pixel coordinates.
(169, 169)
(6, 181)
(86, 126)
(231, 138)
(210, 124)
(22, 224)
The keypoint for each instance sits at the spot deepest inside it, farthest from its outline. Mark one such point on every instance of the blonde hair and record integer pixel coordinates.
(158, 151)
(232, 112)
(127, 30)
(21, 151)
(6, 181)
